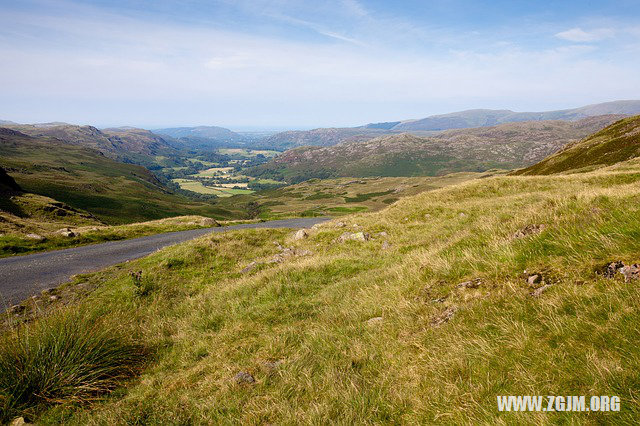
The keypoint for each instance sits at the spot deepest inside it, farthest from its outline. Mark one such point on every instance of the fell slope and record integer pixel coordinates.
(618, 142)
(426, 328)
(505, 146)
(85, 179)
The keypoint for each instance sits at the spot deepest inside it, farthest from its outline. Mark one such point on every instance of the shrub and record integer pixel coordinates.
(67, 357)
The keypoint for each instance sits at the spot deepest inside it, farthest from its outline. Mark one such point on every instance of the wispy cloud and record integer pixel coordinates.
(579, 35)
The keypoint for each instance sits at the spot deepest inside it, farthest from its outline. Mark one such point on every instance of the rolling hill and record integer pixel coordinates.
(616, 143)
(86, 179)
(128, 144)
(506, 146)
(204, 136)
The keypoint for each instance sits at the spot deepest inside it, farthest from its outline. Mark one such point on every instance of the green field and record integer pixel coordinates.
(220, 191)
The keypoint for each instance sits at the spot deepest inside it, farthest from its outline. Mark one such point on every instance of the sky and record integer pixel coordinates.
(277, 64)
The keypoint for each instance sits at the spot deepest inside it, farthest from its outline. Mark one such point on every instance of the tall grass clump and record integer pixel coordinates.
(64, 358)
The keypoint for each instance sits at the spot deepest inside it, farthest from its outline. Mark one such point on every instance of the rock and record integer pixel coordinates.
(301, 235)
(462, 214)
(16, 309)
(382, 234)
(631, 272)
(35, 237)
(18, 421)
(612, 269)
(529, 230)
(534, 279)
(344, 237)
(537, 292)
(360, 236)
(440, 299)
(244, 377)
(443, 317)
(53, 298)
(374, 320)
(250, 267)
(207, 221)
(272, 366)
(386, 245)
(66, 232)
(340, 224)
(470, 284)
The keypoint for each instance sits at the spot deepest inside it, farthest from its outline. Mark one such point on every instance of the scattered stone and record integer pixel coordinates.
(340, 224)
(612, 269)
(35, 237)
(374, 320)
(250, 267)
(360, 236)
(444, 317)
(273, 366)
(207, 221)
(529, 230)
(244, 377)
(382, 234)
(53, 298)
(537, 292)
(462, 214)
(470, 284)
(630, 272)
(386, 245)
(19, 421)
(66, 232)
(534, 279)
(301, 235)
(440, 299)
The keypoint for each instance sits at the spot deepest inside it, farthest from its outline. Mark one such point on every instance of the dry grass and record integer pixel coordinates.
(310, 313)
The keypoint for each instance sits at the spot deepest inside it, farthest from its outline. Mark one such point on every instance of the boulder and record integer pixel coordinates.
(207, 221)
(35, 237)
(244, 377)
(301, 235)
(66, 232)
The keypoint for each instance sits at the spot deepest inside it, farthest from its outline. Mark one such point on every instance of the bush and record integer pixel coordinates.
(67, 357)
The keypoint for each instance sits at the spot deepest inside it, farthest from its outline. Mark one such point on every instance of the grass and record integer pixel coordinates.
(300, 327)
(17, 243)
(68, 357)
(220, 191)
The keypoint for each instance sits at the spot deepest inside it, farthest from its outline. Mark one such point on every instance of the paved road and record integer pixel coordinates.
(24, 276)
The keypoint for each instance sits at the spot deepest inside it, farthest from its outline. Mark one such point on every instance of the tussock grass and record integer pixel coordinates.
(65, 358)
(310, 314)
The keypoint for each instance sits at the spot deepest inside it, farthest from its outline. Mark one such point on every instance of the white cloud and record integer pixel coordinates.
(578, 35)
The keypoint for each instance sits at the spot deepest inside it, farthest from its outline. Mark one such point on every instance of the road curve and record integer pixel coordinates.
(24, 276)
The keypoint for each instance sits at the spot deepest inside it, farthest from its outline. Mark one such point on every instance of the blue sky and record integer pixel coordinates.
(296, 64)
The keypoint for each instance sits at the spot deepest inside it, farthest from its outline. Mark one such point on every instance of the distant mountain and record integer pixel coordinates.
(506, 146)
(488, 117)
(430, 125)
(613, 144)
(203, 136)
(124, 144)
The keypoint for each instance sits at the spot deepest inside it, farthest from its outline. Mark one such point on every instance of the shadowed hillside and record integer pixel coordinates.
(85, 179)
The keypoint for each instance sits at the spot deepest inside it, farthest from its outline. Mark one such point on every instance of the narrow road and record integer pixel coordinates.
(24, 276)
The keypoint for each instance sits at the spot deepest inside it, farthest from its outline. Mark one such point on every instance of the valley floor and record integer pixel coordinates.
(421, 313)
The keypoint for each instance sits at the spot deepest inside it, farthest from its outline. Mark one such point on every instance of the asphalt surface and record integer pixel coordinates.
(24, 276)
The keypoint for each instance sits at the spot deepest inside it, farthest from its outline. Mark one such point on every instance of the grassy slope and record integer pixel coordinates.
(333, 197)
(618, 142)
(114, 192)
(208, 321)
(86, 232)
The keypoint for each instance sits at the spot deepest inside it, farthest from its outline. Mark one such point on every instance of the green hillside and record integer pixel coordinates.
(422, 313)
(506, 146)
(618, 142)
(85, 179)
